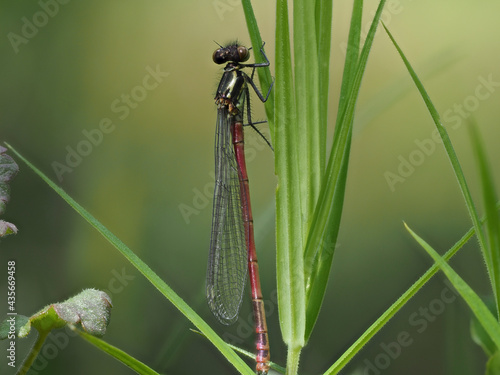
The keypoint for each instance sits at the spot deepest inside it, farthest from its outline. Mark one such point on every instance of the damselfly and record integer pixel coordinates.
(232, 245)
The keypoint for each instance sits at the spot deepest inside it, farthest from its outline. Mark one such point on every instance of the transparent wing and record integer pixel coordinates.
(227, 263)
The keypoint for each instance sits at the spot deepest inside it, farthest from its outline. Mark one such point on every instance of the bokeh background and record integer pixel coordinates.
(150, 179)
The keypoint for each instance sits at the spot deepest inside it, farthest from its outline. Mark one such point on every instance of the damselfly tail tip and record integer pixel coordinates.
(262, 368)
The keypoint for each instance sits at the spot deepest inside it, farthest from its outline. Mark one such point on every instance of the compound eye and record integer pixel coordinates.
(218, 56)
(243, 53)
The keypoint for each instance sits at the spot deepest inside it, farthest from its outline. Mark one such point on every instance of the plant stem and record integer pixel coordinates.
(33, 353)
(292, 361)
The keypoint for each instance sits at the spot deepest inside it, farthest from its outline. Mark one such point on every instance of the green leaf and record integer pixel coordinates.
(18, 325)
(322, 237)
(157, 282)
(90, 309)
(289, 243)
(478, 307)
(118, 354)
(456, 169)
(479, 335)
(489, 200)
(308, 137)
(493, 365)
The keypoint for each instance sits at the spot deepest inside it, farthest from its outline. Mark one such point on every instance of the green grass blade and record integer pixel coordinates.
(489, 201)
(478, 307)
(479, 335)
(324, 14)
(396, 89)
(321, 261)
(395, 307)
(351, 61)
(326, 220)
(143, 268)
(317, 282)
(289, 243)
(455, 165)
(116, 353)
(264, 74)
(307, 103)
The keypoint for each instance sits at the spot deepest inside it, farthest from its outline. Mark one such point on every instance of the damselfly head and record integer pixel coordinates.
(233, 53)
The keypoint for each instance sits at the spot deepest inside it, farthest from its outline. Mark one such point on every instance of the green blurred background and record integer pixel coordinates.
(157, 162)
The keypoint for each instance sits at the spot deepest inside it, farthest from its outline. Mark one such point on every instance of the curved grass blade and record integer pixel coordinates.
(489, 201)
(452, 156)
(478, 307)
(395, 307)
(143, 268)
(479, 335)
(326, 220)
(398, 88)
